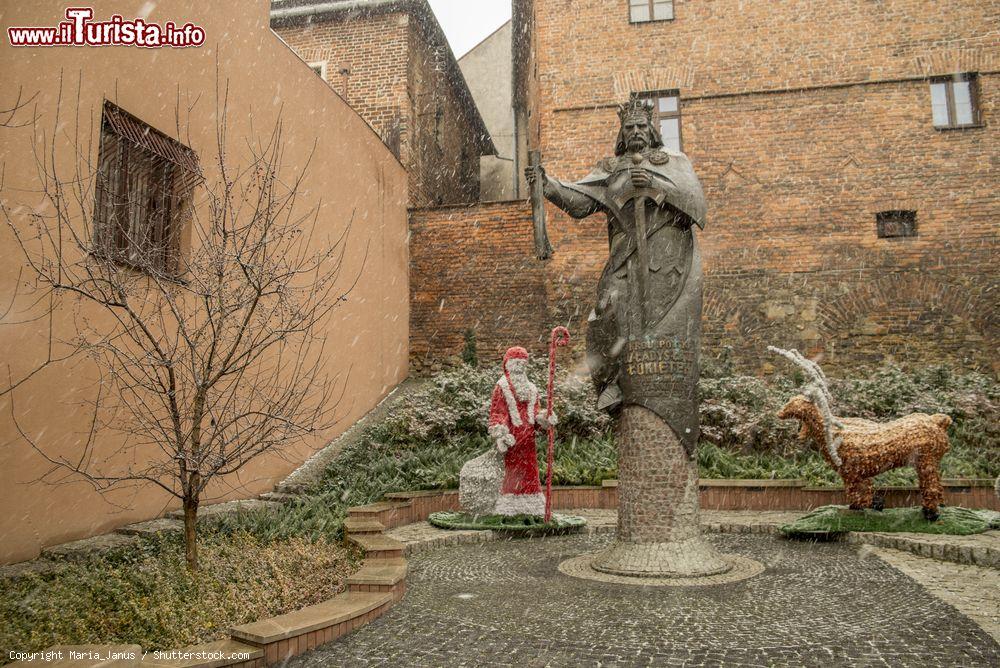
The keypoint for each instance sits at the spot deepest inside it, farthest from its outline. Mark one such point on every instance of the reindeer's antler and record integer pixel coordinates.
(818, 390)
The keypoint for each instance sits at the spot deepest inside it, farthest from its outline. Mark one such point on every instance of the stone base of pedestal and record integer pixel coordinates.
(691, 558)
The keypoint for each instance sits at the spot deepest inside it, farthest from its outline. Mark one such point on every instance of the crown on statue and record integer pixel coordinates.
(636, 106)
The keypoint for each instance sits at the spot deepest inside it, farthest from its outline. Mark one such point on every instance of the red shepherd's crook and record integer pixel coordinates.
(560, 337)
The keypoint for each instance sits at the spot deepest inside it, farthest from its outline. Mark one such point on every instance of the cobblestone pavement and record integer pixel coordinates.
(421, 536)
(973, 590)
(505, 603)
(979, 550)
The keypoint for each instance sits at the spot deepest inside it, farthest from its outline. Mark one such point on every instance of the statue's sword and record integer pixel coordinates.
(543, 249)
(639, 197)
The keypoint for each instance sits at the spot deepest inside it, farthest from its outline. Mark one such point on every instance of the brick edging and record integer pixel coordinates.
(982, 556)
(401, 508)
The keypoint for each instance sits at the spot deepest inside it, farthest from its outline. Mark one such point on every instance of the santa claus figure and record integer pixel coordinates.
(515, 413)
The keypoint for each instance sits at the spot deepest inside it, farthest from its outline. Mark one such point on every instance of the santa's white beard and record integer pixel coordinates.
(522, 386)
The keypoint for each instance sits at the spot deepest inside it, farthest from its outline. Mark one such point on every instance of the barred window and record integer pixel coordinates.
(896, 223)
(667, 116)
(642, 11)
(145, 183)
(954, 102)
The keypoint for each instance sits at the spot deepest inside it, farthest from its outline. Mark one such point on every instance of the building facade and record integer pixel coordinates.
(488, 71)
(159, 104)
(848, 152)
(391, 62)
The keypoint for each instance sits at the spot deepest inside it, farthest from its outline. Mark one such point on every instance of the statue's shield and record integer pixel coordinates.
(671, 248)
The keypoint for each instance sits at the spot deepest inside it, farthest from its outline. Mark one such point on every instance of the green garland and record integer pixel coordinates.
(519, 525)
(953, 520)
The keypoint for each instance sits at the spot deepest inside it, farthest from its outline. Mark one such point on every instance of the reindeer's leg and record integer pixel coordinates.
(878, 502)
(860, 493)
(929, 477)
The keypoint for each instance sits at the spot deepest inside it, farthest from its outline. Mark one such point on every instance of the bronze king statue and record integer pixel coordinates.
(643, 342)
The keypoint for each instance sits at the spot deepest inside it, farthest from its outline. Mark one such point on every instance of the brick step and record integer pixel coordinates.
(956, 549)
(297, 632)
(937, 547)
(379, 572)
(377, 507)
(380, 575)
(389, 513)
(354, 526)
(378, 546)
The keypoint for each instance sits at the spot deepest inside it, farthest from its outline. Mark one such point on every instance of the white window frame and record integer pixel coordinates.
(653, 99)
(321, 64)
(951, 111)
(651, 7)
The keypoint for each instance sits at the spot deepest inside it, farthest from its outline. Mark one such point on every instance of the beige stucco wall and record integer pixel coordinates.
(352, 171)
(487, 70)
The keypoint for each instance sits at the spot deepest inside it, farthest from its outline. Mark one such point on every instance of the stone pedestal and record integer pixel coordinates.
(658, 533)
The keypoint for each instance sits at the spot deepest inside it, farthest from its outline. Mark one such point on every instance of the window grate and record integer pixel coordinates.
(896, 224)
(145, 182)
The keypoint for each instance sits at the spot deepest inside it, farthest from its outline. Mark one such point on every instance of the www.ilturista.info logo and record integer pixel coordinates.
(79, 30)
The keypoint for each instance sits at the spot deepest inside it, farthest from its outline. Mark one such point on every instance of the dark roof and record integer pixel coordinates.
(290, 12)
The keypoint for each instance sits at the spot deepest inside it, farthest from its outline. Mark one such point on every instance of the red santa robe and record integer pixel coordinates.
(514, 418)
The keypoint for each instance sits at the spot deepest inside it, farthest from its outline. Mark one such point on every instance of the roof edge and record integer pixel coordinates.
(292, 13)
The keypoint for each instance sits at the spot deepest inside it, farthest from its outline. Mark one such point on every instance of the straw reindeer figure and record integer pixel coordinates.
(859, 450)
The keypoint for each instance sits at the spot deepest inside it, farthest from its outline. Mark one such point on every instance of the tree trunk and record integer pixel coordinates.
(192, 490)
(190, 533)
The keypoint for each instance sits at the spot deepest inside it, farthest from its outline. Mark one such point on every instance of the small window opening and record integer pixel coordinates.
(319, 68)
(895, 224)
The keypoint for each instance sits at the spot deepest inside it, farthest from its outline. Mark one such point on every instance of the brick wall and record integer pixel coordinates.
(474, 267)
(444, 165)
(375, 51)
(791, 253)
(588, 53)
(803, 120)
(397, 83)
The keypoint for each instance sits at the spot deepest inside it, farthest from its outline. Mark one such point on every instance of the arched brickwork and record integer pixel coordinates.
(910, 317)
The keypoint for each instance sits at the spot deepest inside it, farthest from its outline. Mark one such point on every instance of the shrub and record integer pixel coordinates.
(738, 413)
(147, 597)
(470, 356)
(430, 434)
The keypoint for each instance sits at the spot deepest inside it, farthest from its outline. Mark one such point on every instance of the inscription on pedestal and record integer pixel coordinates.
(661, 367)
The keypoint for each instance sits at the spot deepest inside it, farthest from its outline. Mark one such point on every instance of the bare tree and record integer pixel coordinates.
(217, 291)
(8, 115)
